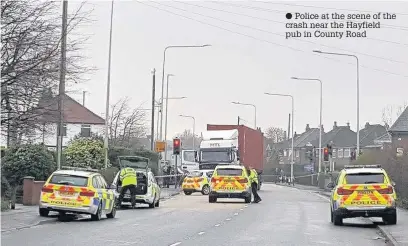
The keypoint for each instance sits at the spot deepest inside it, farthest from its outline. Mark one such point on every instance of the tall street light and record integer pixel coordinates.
(358, 92)
(248, 104)
(293, 119)
(167, 106)
(106, 146)
(191, 117)
(164, 62)
(320, 122)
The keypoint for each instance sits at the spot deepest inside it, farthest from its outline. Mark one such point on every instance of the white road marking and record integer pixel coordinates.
(228, 219)
(174, 244)
(201, 232)
(217, 225)
(241, 209)
(235, 214)
(246, 206)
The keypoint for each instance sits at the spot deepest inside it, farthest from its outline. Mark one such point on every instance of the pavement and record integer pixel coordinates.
(286, 216)
(27, 216)
(395, 234)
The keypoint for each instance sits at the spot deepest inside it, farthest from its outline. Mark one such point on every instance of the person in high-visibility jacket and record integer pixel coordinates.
(128, 179)
(253, 178)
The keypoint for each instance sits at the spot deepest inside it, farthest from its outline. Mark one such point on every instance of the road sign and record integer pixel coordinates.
(160, 146)
(309, 167)
(400, 152)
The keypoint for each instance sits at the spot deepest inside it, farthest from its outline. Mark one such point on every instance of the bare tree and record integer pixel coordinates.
(187, 139)
(30, 55)
(390, 114)
(275, 134)
(126, 125)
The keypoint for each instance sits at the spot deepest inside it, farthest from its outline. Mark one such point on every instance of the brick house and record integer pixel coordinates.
(399, 132)
(78, 120)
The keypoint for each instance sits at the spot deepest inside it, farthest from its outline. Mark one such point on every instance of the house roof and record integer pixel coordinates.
(370, 133)
(386, 138)
(73, 112)
(341, 136)
(301, 140)
(401, 124)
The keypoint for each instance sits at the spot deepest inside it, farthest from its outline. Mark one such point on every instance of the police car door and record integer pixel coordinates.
(107, 194)
(96, 183)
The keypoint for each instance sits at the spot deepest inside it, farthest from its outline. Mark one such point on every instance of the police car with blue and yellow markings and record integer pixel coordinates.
(78, 191)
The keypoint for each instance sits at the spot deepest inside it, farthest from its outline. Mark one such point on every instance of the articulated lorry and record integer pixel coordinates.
(232, 144)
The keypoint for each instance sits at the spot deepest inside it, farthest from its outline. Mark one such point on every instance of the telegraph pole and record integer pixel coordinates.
(62, 81)
(153, 106)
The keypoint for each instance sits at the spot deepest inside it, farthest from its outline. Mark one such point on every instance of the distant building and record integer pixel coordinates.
(399, 132)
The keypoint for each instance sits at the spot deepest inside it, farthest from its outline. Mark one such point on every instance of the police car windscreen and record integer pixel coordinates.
(365, 178)
(69, 180)
(195, 174)
(229, 172)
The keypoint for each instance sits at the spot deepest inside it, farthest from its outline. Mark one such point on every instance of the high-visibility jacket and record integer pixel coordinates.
(253, 176)
(128, 176)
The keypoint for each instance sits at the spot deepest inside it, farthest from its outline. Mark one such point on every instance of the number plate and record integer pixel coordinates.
(67, 193)
(64, 203)
(365, 192)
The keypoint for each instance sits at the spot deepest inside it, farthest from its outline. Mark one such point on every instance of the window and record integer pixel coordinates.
(85, 130)
(340, 153)
(96, 183)
(229, 172)
(334, 154)
(195, 174)
(285, 153)
(365, 178)
(102, 182)
(346, 153)
(69, 180)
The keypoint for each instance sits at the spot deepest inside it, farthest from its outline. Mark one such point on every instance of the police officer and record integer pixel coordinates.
(128, 179)
(253, 177)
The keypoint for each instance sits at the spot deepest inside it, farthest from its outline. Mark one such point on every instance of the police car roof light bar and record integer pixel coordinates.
(362, 166)
(79, 169)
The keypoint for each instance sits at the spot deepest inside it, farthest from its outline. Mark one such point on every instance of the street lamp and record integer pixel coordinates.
(108, 89)
(167, 106)
(321, 109)
(293, 119)
(191, 117)
(248, 104)
(164, 62)
(358, 92)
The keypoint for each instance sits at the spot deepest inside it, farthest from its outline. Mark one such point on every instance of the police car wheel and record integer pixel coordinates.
(248, 199)
(98, 215)
(112, 214)
(158, 203)
(212, 199)
(153, 204)
(205, 190)
(188, 193)
(337, 220)
(44, 212)
(390, 219)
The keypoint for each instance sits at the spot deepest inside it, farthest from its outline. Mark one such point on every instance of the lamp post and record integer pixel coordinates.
(358, 92)
(320, 121)
(293, 119)
(191, 117)
(165, 126)
(164, 62)
(248, 104)
(106, 146)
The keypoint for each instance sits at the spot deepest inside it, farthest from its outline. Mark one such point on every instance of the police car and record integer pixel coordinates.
(78, 191)
(147, 189)
(197, 181)
(363, 191)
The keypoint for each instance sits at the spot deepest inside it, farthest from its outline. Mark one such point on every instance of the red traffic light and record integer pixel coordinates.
(176, 142)
(326, 151)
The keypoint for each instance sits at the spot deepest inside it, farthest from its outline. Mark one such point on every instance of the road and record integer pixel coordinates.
(286, 216)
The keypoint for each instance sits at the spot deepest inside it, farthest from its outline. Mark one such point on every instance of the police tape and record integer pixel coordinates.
(171, 175)
(302, 176)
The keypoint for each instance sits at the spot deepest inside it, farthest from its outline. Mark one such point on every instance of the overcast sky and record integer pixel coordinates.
(248, 56)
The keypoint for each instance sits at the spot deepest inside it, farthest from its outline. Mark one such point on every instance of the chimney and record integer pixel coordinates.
(335, 125)
(307, 127)
(284, 135)
(348, 125)
(294, 135)
(367, 125)
(322, 128)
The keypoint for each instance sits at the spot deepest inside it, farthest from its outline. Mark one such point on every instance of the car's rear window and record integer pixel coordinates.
(365, 178)
(195, 174)
(71, 180)
(229, 172)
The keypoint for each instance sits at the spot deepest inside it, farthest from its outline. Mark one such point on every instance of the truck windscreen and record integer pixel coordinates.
(215, 156)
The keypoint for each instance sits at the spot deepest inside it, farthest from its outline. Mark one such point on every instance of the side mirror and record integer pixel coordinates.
(330, 185)
(393, 183)
(111, 186)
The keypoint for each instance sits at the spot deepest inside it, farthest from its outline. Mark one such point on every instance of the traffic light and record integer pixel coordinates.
(176, 146)
(326, 154)
(330, 149)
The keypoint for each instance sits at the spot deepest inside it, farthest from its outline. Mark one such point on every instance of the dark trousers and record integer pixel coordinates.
(254, 187)
(132, 189)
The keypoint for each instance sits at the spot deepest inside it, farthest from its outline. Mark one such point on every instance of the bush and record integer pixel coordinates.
(85, 152)
(27, 160)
